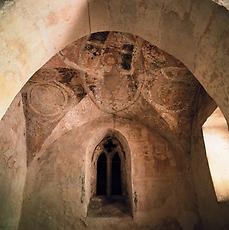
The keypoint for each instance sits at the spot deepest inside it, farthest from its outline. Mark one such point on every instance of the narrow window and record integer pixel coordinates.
(101, 175)
(116, 175)
(109, 169)
(110, 181)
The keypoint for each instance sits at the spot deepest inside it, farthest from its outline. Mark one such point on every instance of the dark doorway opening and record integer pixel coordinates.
(101, 175)
(116, 175)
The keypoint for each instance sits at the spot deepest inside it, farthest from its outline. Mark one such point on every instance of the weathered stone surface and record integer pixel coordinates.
(12, 164)
(62, 166)
(47, 97)
(156, 89)
(111, 82)
(224, 3)
(70, 107)
(200, 40)
(214, 215)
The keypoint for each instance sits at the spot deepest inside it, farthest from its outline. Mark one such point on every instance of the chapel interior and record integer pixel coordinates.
(119, 126)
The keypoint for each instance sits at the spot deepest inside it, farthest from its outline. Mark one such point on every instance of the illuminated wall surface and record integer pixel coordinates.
(216, 137)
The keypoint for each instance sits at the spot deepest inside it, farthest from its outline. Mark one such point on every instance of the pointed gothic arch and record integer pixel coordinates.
(110, 178)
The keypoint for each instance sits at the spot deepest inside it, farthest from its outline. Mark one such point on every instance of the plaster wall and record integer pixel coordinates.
(214, 214)
(12, 164)
(224, 3)
(195, 32)
(57, 190)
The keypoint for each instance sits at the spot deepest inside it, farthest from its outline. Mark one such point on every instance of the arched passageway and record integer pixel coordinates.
(199, 41)
(138, 82)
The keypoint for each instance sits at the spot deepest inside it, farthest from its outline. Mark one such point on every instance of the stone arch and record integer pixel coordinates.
(195, 33)
(92, 159)
(105, 154)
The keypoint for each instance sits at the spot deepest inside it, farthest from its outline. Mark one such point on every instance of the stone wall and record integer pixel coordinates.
(195, 32)
(12, 164)
(63, 123)
(214, 214)
(58, 184)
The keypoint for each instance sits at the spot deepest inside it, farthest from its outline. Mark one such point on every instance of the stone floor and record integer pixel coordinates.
(113, 206)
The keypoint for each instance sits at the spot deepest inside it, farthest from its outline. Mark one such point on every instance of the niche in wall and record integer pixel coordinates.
(110, 180)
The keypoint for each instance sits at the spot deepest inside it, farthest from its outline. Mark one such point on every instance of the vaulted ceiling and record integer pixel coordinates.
(120, 74)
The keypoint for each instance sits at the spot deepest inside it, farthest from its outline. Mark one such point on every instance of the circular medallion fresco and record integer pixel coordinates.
(47, 99)
(171, 88)
(47, 95)
(116, 68)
